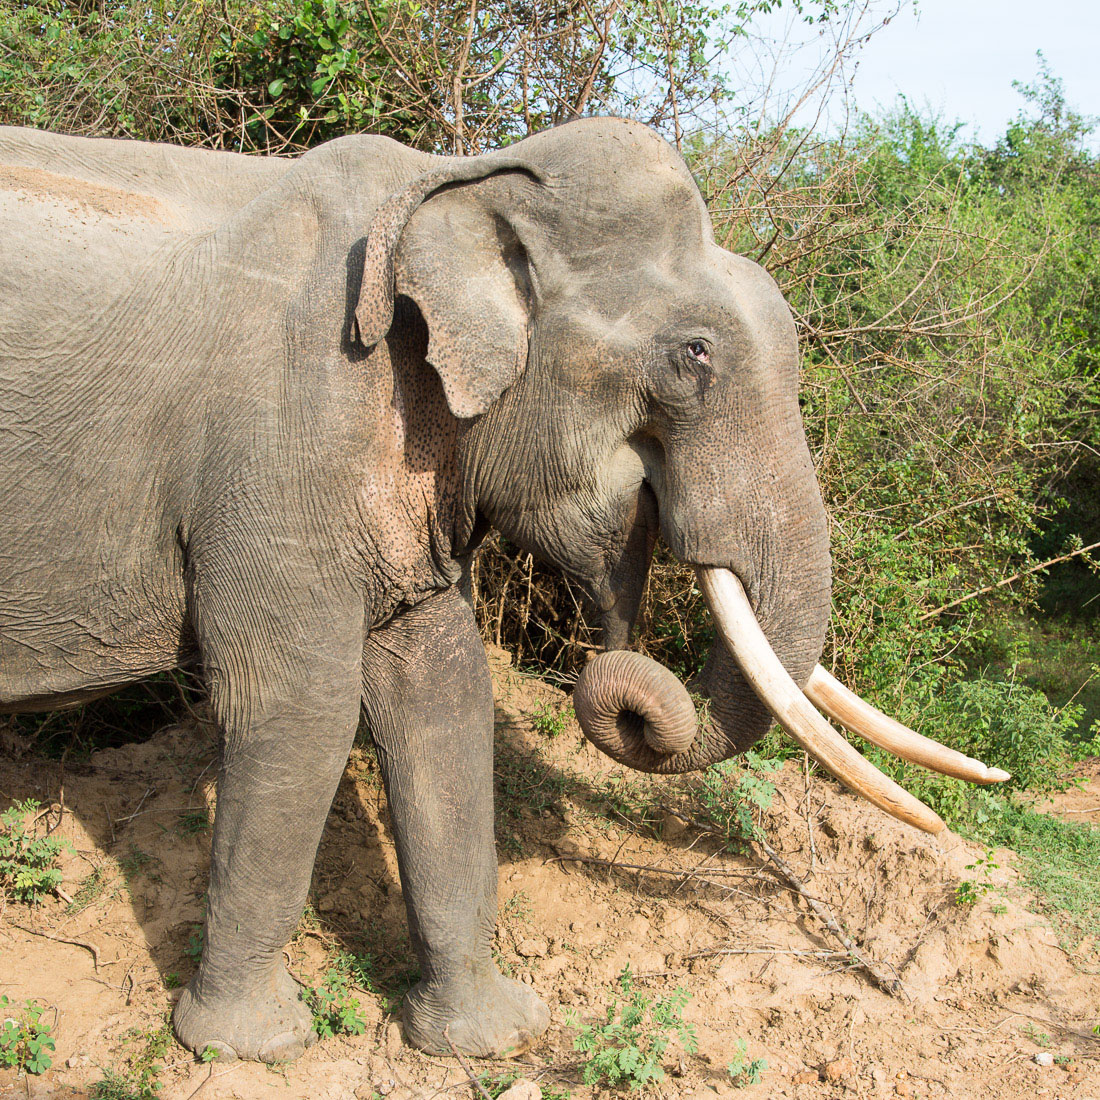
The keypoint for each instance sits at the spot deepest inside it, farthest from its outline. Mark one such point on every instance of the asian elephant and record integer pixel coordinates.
(258, 413)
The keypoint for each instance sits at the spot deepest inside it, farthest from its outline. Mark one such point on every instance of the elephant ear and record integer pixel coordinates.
(446, 243)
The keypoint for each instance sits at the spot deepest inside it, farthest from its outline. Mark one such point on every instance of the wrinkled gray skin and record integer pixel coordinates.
(226, 443)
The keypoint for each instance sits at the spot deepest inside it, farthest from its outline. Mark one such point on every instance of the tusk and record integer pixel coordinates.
(843, 705)
(737, 625)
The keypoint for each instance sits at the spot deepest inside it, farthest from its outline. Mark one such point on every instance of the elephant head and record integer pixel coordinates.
(617, 376)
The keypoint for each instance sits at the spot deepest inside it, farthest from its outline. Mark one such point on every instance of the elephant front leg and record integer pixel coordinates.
(289, 712)
(429, 702)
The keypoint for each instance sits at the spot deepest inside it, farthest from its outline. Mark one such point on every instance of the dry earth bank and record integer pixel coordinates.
(950, 1000)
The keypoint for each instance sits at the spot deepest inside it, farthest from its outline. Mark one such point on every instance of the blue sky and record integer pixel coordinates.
(960, 57)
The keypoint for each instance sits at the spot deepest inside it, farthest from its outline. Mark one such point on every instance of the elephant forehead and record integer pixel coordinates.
(650, 214)
(606, 149)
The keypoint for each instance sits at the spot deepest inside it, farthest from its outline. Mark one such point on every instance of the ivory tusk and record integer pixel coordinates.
(856, 714)
(736, 624)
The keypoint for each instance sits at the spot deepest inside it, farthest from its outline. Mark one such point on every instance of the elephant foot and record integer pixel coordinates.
(271, 1025)
(486, 1017)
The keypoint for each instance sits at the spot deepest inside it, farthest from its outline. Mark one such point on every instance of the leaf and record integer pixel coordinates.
(276, 87)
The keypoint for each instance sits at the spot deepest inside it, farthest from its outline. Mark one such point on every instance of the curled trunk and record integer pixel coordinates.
(638, 713)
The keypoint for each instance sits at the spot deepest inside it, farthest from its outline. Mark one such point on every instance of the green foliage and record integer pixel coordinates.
(1038, 1037)
(92, 887)
(193, 822)
(742, 1069)
(282, 75)
(1003, 722)
(25, 1042)
(137, 1076)
(629, 1046)
(732, 792)
(310, 70)
(335, 1010)
(136, 864)
(550, 721)
(27, 857)
(1059, 861)
(496, 1083)
(196, 941)
(969, 891)
(1056, 651)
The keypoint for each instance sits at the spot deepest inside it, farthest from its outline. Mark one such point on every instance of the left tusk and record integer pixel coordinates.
(853, 713)
(737, 626)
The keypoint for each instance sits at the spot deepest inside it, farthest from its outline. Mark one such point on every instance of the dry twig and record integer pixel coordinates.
(62, 939)
(465, 1065)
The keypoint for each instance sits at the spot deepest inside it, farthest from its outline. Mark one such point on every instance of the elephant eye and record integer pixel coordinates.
(698, 351)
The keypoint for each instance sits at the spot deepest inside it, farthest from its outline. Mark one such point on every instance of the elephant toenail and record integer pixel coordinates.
(284, 1047)
(223, 1052)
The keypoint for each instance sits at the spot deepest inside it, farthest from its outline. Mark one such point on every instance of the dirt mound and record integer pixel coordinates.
(841, 955)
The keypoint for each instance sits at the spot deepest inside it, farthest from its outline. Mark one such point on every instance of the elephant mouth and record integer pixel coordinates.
(635, 710)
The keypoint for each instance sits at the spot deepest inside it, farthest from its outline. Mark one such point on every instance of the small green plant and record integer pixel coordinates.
(209, 1054)
(496, 1083)
(551, 721)
(517, 907)
(335, 1010)
(172, 980)
(194, 821)
(628, 1048)
(196, 941)
(137, 863)
(138, 1076)
(25, 1041)
(732, 792)
(969, 891)
(1039, 1038)
(27, 870)
(743, 1070)
(92, 887)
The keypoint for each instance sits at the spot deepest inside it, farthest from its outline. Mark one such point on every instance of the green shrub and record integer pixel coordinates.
(550, 721)
(629, 1046)
(335, 1010)
(27, 859)
(742, 1069)
(25, 1042)
(729, 794)
(138, 1075)
(1005, 723)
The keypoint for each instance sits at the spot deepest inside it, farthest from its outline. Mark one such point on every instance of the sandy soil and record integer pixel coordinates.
(592, 877)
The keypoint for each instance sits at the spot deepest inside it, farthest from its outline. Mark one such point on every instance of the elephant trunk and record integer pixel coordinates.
(635, 710)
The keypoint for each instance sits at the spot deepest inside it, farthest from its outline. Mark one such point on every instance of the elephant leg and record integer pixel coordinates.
(429, 703)
(289, 706)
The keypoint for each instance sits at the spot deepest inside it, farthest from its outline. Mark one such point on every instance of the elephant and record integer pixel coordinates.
(259, 413)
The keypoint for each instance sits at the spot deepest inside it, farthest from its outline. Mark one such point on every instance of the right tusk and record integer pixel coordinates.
(737, 625)
(843, 705)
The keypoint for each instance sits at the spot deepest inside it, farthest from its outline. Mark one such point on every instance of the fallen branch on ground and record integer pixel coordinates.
(467, 1068)
(888, 983)
(62, 939)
